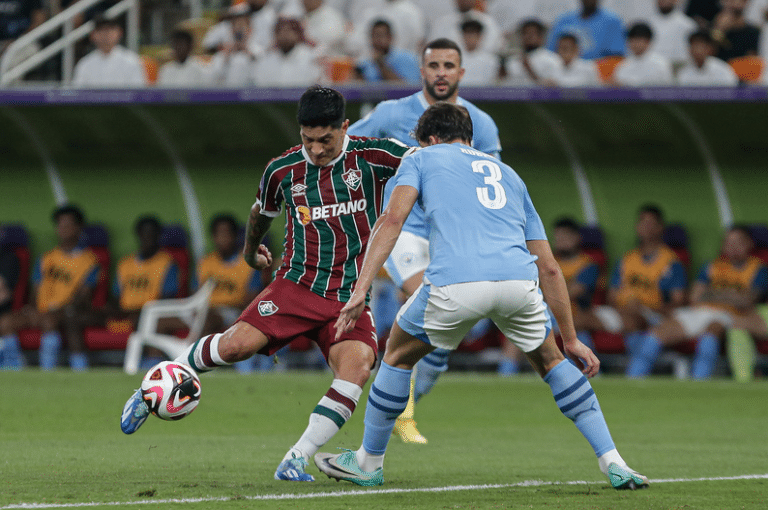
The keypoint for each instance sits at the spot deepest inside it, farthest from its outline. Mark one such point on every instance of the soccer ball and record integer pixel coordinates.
(171, 390)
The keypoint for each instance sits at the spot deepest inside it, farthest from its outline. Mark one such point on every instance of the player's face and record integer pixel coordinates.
(223, 238)
(566, 241)
(323, 143)
(737, 246)
(67, 230)
(649, 228)
(441, 72)
(149, 238)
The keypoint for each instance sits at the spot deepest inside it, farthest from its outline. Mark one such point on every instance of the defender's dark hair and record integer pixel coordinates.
(71, 210)
(446, 121)
(640, 30)
(227, 219)
(441, 44)
(321, 107)
(147, 220)
(652, 209)
(569, 223)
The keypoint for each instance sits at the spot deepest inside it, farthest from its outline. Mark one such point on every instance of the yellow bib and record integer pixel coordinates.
(232, 279)
(640, 279)
(62, 274)
(141, 281)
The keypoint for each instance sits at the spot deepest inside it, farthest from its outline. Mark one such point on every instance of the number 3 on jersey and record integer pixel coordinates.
(492, 178)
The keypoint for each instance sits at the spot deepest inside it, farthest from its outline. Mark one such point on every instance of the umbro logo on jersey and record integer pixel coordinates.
(352, 178)
(298, 189)
(267, 308)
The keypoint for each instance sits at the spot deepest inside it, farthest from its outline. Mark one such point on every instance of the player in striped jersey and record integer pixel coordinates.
(331, 187)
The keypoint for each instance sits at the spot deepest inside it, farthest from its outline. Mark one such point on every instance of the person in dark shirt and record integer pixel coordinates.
(735, 36)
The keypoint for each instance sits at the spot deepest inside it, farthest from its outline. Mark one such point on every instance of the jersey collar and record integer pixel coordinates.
(425, 104)
(332, 162)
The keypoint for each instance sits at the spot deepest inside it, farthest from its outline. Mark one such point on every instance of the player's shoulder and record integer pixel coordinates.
(288, 158)
(364, 143)
(478, 116)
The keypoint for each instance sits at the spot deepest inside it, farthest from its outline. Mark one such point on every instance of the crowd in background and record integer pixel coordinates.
(294, 43)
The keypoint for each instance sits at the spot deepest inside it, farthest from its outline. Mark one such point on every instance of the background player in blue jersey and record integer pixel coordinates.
(489, 258)
(441, 73)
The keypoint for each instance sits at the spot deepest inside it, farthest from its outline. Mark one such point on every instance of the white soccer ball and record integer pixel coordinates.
(171, 390)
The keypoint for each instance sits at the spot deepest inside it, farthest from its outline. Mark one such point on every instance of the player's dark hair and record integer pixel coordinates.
(568, 223)
(533, 23)
(227, 219)
(102, 21)
(472, 26)
(641, 30)
(701, 35)
(71, 210)
(652, 209)
(382, 23)
(446, 121)
(743, 228)
(321, 107)
(441, 44)
(182, 35)
(147, 220)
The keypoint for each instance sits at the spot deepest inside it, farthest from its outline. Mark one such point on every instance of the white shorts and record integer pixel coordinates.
(442, 316)
(611, 319)
(409, 257)
(696, 319)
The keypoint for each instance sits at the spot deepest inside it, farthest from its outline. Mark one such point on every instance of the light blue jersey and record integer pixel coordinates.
(480, 214)
(398, 118)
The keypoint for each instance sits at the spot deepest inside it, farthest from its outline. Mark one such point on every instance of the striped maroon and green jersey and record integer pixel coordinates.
(329, 211)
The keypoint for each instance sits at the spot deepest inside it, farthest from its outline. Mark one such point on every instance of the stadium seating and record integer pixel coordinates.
(676, 237)
(151, 68)
(606, 66)
(173, 240)
(749, 69)
(15, 237)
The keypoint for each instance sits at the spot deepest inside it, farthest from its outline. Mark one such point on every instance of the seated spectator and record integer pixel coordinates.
(63, 280)
(537, 65)
(576, 71)
(290, 62)
(735, 36)
(705, 70)
(671, 28)
(234, 64)
(185, 70)
(404, 16)
(634, 11)
(262, 18)
(726, 287)
(600, 32)
(17, 17)
(480, 67)
(642, 67)
(109, 65)
(511, 14)
(647, 284)
(10, 352)
(449, 26)
(703, 11)
(325, 27)
(757, 14)
(388, 63)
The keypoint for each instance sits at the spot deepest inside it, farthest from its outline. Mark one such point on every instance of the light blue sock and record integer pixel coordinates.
(641, 361)
(428, 370)
(577, 401)
(705, 359)
(12, 358)
(78, 361)
(386, 401)
(50, 344)
(585, 338)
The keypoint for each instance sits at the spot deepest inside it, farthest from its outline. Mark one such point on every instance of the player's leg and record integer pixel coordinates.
(50, 340)
(740, 346)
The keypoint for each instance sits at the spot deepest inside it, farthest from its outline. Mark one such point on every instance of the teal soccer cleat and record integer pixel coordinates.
(135, 413)
(344, 466)
(293, 470)
(624, 478)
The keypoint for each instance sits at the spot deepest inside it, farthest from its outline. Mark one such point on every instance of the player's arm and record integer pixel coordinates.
(256, 254)
(383, 238)
(555, 293)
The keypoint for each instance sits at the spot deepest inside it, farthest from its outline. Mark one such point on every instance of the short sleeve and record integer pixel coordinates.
(409, 174)
(370, 125)
(270, 196)
(534, 228)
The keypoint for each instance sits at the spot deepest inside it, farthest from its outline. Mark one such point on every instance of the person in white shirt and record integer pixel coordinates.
(671, 28)
(290, 62)
(537, 65)
(406, 19)
(233, 65)
(184, 70)
(109, 65)
(325, 27)
(642, 67)
(705, 70)
(449, 26)
(511, 14)
(480, 67)
(263, 17)
(576, 72)
(631, 11)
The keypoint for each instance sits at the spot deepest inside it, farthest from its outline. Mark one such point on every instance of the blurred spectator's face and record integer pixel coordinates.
(67, 230)
(286, 37)
(737, 246)
(735, 6)
(323, 143)
(649, 228)
(666, 6)
(441, 72)
(531, 38)
(311, 5)
(700, 51)
(568, 50)
(471, 39)
(381, 38)
(566, 241)
(465, 5)
(181, 49)
(106, 37)
(224, 238)
(638, 45)
(241, 27)
(149, 238)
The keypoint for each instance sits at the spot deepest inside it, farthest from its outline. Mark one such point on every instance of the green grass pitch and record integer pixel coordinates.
(61, 446)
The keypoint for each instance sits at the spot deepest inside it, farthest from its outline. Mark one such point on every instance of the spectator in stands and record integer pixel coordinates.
(388, 63)
(576, 71)
(63, 283)
(18, 17)
(404, 16)
(480, 67)
(705, 70)
(537, 65)
(726, 287)
(325, 27)
(671, 28)
(631, 12)
(185, 70)
(449, 26)
(511, 14)
(262, 19)
(600, 32)
(109, 65)
(735, 36)
(757, 14)
(642, 67)
(234, 64)
(647, 284)
(703, 11)
(10, 351)
(290, 62)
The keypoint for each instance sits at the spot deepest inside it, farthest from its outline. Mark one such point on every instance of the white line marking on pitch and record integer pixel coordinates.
(337, 494)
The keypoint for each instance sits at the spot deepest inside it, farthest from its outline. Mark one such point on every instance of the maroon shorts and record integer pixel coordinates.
(285, 310)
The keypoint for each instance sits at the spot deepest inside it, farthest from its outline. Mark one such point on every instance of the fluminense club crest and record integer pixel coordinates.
(352, 178)
(267, 308)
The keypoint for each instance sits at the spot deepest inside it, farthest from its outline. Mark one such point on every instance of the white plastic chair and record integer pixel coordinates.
(192, 311)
